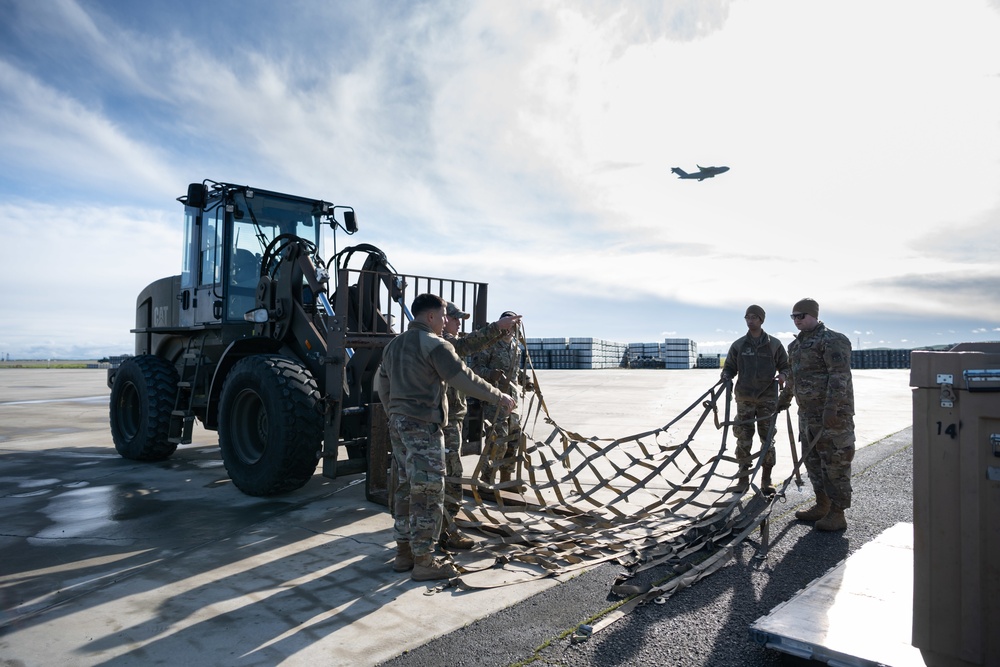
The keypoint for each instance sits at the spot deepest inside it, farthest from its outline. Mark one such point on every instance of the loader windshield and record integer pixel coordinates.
(256, 221)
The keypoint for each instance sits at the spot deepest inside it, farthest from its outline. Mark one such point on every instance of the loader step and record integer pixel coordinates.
(181, 427)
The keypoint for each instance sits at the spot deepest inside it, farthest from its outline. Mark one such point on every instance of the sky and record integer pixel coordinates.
(523, 143)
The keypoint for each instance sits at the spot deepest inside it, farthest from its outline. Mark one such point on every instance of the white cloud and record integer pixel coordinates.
(45, 131)
(529, 144)
(79, 270)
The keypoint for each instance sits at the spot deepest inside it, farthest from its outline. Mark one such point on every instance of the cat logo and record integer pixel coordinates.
(160, 316)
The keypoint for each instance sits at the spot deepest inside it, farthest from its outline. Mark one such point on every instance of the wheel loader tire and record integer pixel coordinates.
(270, 426)
(142, 398)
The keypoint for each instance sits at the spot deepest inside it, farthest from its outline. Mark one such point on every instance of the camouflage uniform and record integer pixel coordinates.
(418, 451)
(457, 409)
(411, 382)
(823, 388)
(754, 362)
(500, 364)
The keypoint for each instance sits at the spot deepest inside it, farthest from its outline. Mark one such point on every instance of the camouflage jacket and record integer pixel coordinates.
(500, 365)
(464, 346)
(416, 367)
(820, 376)
(754, 362)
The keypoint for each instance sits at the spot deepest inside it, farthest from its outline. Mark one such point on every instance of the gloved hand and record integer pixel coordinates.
(830, 418)
(727, 380)
(495, 376)
(784, 401)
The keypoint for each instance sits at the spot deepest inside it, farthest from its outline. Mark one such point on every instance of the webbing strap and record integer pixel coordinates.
(650, 498)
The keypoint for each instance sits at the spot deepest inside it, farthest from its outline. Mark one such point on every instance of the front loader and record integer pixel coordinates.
(253, 341)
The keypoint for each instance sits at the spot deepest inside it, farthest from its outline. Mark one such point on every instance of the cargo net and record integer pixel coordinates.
(670, 496)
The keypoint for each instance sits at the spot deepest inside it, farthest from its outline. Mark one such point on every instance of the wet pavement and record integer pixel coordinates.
(109, 561)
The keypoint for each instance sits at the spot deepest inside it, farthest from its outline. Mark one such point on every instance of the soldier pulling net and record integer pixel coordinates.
(667, 496)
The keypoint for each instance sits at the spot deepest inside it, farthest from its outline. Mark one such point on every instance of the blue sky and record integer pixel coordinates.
(527, 144)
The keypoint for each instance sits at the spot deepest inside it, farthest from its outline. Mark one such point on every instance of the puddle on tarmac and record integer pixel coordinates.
(30, 494)
(208, 464)
(30, 483)
(91, 511)
(49, 485)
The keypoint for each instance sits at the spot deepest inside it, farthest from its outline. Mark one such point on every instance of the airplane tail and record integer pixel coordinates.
(680, 172)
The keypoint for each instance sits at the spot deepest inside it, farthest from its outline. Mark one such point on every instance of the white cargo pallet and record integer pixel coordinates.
(858, 614)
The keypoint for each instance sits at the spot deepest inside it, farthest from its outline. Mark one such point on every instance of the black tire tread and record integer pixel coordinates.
(155, 379)
(301, 426)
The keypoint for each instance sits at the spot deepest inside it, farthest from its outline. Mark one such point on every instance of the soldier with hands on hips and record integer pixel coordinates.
(820, 380)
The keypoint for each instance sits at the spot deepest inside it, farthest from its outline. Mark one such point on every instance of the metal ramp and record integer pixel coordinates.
(857, 614)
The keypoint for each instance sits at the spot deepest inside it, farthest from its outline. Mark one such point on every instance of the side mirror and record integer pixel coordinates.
(350, 222)
(197, 195)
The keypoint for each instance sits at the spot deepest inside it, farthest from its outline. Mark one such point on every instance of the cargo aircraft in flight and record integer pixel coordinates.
(702, 173)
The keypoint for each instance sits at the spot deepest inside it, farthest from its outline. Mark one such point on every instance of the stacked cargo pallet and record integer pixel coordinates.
(645, 350)
(881, 358)
(572, 353)
(645, 355)
(549, 352)
(709, 361)
(680, 352)
(597, 353)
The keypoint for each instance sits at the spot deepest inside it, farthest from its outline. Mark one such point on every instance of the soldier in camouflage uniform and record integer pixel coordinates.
(464, 345)
(757, 361)
(500, 364)
(411, 383)
(820, 379)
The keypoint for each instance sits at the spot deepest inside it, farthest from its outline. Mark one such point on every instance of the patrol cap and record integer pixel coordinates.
(456, 314)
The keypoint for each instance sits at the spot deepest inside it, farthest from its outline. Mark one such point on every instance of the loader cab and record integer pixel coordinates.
(227, 230)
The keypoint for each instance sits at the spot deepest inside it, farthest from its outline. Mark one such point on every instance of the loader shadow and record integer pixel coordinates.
(196, 560)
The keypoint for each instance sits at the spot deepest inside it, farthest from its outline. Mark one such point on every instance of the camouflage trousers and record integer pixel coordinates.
(453, 470)
(746, 412)
(829, 462)
(503, 440)
(418, 452)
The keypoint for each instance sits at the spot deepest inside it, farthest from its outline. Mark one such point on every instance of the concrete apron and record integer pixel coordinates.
(108, 561)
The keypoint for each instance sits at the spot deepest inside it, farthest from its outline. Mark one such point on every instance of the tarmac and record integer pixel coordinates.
(105, 561)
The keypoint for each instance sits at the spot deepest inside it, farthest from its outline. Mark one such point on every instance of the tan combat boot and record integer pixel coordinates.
(429, 568)
(766, 486)
(817, 511)
(404, 558)
(451, 538)
(833, 521)
(743, 481)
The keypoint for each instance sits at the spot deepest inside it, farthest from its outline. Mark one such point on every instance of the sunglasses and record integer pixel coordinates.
(798, 316)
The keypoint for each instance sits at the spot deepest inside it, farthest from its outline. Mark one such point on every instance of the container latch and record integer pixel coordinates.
(947, 382)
